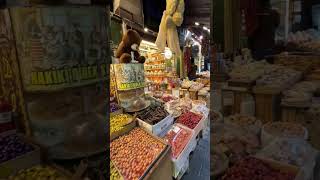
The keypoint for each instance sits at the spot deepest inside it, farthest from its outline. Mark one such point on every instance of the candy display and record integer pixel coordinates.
(39, 172)
(153, 114)
(176, 107)
(189, 119)
(178, 138)
(114, 174)
(252, 168)
(13, 146)
(133, 153)
(118, 121)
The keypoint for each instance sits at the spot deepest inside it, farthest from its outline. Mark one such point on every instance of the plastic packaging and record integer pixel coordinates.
(292, 151)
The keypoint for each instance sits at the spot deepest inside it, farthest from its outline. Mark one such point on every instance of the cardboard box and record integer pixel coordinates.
(158, 128)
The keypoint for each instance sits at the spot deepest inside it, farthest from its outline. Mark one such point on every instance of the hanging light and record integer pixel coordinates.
(146, 29)
(201, 37)
(167, 53)
(205, 28)
(196, 23)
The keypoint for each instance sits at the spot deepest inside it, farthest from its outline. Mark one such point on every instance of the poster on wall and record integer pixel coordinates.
(129, 76)
(60, 47)
(10, 81)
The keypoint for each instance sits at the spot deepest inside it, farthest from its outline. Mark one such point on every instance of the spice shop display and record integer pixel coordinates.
(196, 86)
(178, 137)
(190, 119)
(186, 83)
(133, 153)
(252, 168)
(39, 172)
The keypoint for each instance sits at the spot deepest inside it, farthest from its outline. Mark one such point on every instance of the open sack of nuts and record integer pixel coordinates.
(153, 114)
(296, 152)
(234, 141)
(273, 130)
(249, 123)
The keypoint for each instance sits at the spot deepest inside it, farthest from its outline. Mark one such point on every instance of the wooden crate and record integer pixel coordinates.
(237, 94)
(161, 167)
(290, 113)
(238, 83)
(183, 92)
(268, 102)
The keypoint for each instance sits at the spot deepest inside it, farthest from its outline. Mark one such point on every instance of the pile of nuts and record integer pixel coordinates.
(178, 138)
(39, 172)
(117, 122)
(133, 153)
(189, 119)
(252, 168)
(285, 129)
(12, 146)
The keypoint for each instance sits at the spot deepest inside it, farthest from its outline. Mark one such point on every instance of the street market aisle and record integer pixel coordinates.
(199, 167)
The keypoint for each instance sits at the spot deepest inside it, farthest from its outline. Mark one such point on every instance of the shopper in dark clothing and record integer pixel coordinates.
(193, 72)
(262, 41)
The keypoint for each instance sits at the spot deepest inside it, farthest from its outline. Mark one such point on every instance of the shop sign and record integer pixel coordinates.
(60, 47)
(129, 76)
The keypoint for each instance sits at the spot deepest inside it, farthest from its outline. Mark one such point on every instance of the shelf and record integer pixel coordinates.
(156, 76)
(154, 69)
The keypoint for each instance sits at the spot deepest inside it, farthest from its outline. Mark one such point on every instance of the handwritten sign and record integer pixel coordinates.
(60, 47)
(129, 76)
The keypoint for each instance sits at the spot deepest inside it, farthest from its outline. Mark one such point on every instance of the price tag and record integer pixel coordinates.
(176, 129)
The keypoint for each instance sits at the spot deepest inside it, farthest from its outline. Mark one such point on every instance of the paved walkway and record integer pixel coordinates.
(199, 167)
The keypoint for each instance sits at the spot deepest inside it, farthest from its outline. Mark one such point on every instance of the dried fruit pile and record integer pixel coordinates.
(12, 146)
(189, 119)
(39, 172)
(252, 168)
(133, 153)
(114, 174)
(178, 138)
(117, 122)
(153, 115)
(285, 129)
(167, 98)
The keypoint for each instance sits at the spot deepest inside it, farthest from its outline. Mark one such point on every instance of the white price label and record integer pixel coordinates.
(176, 129)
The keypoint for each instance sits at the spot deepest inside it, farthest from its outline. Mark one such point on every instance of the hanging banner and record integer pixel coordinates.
(60, 47)
(129, 76)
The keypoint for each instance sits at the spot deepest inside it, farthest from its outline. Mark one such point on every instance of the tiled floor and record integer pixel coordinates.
(199, 167)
